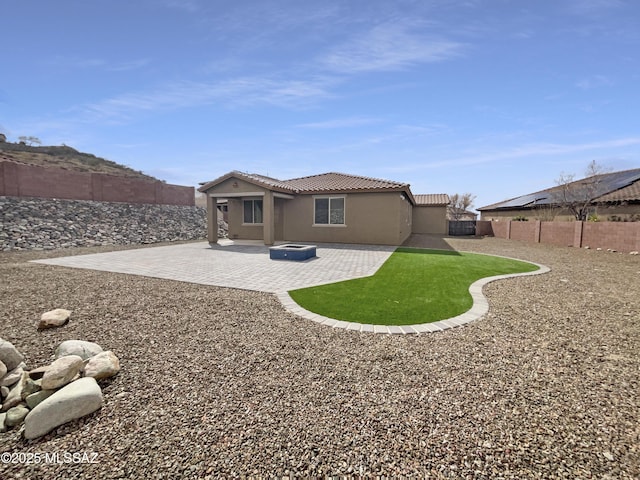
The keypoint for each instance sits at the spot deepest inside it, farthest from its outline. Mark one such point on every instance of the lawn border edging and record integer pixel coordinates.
(478, 310)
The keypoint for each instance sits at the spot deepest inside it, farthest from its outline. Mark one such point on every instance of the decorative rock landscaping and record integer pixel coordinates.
(49, 396)
(225, 383)
(48, 224)
(75, 400)
(54, 318)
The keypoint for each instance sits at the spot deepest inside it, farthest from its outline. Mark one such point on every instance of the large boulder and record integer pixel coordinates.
(81, 348)
(54, 318)
(103, 365)
(61, 372)
(73, 401)
(9, 355)
(3, 369)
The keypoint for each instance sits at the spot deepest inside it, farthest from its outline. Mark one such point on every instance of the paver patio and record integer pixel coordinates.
(247, 266)
(236, 265)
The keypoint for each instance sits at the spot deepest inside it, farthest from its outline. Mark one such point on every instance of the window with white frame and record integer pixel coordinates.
(328, 211)
(252, 211)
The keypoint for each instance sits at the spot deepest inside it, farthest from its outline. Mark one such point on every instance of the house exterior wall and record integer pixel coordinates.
(405, 220)
(278, 206)
(237, 228)
(622, 212)
(237, 188)
(430, 219)
(370, 218)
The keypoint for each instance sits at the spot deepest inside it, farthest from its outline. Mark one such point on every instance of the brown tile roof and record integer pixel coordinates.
(264, 180)
(331, 182)
(261, 180)
(324, 183)
(432, 199)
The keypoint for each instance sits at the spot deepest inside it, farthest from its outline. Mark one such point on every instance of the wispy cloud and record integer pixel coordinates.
(97, 63)
(246, 91)
(348, 122)
(590, 7)
(389, 47)
(594, 81)
(539, 150)
(127, 66)
(191, 6)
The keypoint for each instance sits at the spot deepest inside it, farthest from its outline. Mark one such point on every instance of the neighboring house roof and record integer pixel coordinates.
(630, 193)
(611, 187)
(331, 182)
(432, 199)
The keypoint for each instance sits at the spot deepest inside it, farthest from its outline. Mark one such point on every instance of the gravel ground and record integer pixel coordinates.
(225, 383)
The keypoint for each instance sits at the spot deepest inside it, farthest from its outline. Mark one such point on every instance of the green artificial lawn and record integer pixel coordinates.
(413, 286)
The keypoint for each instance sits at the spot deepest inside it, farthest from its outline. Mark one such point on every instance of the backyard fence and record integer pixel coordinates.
(19, 180)
(462, 227)
(620, 236)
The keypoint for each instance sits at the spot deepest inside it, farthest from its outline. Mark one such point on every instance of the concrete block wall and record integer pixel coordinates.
(620, 236)
(19, 180)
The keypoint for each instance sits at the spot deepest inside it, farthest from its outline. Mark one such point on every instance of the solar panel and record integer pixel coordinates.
(604, 184)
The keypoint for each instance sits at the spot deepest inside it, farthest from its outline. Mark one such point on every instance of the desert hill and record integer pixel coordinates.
(67, 158)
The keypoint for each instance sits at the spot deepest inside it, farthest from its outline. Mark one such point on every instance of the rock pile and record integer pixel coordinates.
(49, 396)
(47, 224)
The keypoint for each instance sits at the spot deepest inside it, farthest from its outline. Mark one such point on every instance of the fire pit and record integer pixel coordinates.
(292, 252)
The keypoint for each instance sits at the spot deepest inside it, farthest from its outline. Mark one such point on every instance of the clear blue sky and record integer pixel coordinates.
(492, 97)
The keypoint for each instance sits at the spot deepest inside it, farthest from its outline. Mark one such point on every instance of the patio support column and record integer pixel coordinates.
(268, 218)
(212, 219)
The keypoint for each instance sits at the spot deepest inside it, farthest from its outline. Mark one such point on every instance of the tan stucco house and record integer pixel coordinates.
(330, 207)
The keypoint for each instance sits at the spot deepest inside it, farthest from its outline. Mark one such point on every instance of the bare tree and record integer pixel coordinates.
(460, 204)
(30, 140)
(546, 212)
(577, 196)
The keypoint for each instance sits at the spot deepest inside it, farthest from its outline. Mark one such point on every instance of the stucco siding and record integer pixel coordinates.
(430, 219)
(237, 229)
(370, 218)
